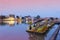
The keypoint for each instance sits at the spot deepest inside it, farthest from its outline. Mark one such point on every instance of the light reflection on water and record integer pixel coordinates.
(13, 31)
(10, 30)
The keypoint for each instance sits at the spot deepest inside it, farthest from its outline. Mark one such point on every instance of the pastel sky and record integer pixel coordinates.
(30, 7)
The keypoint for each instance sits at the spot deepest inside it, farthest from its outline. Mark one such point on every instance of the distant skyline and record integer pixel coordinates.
(43, 8)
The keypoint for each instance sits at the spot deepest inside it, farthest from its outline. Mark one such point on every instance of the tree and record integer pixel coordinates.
(38, 16)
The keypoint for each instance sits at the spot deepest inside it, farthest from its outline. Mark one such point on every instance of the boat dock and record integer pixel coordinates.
(52, 34)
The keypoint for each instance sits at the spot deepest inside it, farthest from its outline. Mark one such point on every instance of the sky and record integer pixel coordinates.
(43, 8)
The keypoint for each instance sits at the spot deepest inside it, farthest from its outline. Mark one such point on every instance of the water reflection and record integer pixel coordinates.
(11, 23)
(36, 37)
(2, 23)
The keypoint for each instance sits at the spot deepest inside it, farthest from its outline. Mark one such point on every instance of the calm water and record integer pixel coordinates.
(18, 32)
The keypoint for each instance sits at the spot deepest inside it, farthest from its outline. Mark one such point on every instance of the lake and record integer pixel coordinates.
(17, 31)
